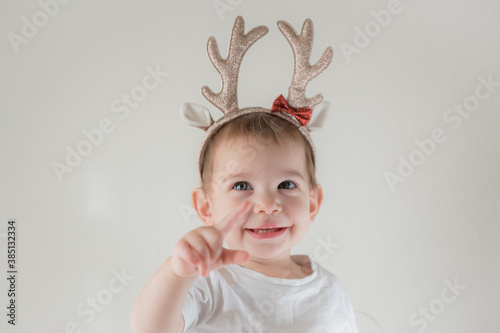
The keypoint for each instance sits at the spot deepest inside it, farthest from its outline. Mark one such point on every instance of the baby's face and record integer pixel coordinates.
(274, 179)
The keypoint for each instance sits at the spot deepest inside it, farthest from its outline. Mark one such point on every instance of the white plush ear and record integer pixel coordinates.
(318, 116)
(196, 115)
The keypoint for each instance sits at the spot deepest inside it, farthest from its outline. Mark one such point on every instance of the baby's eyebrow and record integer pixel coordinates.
(238, 175)
(292, 172)
(286, 173)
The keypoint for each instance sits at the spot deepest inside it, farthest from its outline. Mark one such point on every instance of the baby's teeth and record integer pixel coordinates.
(260, 231)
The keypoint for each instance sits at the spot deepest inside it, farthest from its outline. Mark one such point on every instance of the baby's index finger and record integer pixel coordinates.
(234, 218)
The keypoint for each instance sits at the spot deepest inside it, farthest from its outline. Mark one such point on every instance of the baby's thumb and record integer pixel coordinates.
(234, 257)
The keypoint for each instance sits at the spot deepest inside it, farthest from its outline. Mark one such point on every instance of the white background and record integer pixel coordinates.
(128, 201)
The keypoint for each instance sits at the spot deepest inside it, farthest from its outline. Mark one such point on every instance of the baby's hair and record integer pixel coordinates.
(259, 128)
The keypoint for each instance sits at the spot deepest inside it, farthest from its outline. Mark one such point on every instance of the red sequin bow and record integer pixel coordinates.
(302, 115)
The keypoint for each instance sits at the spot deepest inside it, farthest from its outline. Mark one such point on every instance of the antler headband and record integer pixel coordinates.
(296, 108)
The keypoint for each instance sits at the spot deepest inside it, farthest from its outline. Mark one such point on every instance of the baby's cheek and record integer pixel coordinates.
(234, 239)
(299, 230)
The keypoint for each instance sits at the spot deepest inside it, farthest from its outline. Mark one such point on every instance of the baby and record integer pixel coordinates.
(259, 195)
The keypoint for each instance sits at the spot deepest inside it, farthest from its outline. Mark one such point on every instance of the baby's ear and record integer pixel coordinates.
(318, 116)
(202, 205)
(316, 198)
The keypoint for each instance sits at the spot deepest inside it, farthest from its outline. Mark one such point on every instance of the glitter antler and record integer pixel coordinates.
(304, 72)
(227, 99)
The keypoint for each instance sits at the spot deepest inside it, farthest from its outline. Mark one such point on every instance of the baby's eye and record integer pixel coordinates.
(241, 186)
(287, 185)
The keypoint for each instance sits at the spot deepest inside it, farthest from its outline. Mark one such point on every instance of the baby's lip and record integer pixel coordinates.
(266, 232)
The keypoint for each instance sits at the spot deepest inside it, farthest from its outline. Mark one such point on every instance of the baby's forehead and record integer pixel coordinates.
(248, 142)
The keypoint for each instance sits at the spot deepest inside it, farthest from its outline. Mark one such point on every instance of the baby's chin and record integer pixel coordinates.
(261, 251)
(264, 253)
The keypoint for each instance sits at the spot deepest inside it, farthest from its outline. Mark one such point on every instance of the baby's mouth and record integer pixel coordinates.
(266, 233)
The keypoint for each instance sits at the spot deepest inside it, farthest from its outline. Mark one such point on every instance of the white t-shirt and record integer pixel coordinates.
(239, 300)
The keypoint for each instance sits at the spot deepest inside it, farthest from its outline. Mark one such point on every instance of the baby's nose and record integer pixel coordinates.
(267, 203)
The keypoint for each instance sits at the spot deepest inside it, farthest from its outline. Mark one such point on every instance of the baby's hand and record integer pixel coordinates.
(201, 251)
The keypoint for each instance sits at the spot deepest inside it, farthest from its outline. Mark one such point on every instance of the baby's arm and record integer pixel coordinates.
(158, 308)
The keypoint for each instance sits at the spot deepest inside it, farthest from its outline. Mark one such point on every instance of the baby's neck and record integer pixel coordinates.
(290, 267)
